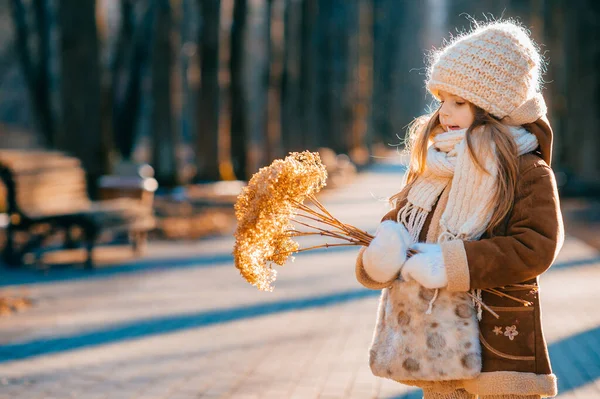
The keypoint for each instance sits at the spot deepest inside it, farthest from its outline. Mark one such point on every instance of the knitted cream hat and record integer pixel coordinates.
(496, 67)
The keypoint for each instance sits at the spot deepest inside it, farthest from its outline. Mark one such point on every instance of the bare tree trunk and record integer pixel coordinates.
(583, 105)
(81, 133)
(409, 96)
(398, 67)
(249, 84)
(348, 111)
(291, 92)
(309, 84)
(106, 91)
(556, 90)
(207, 126)
(338, 57)
(274, 25)
(43, 70)
(358, 143)
(36, 66)
(385, 49)
(131, 54)
(323, 117)
(239, 109)
(164, 157)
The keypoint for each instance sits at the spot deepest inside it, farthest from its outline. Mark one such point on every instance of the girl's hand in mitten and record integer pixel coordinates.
(426, 267)
(386, 254)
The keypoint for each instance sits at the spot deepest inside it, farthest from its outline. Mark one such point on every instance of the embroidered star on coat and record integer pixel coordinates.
(511, 332)
(497, 330)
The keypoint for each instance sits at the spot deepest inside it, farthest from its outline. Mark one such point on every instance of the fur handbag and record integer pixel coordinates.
(409, 344)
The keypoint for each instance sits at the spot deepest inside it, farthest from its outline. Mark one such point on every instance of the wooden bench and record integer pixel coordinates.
(46, 196)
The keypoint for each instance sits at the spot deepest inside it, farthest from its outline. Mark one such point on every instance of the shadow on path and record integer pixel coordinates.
(576, 359)
(171, 324)
(12, 277)
(16, 277)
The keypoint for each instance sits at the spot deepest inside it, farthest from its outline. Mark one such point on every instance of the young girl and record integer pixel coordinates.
(480, 208)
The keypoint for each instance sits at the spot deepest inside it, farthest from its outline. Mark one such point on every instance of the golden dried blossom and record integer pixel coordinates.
(264, 211)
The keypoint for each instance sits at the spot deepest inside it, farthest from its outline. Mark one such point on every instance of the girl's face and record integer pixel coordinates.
(455, 112)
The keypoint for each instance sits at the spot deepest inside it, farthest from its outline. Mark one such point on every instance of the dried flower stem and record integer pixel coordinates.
(296, 233)
(319, 216)
(486, 307)
(341, 234)
(363, 235)
(293, 233)
(524, 286)
(323, 231)
(329, 220)
(316, 219)
(327, 246)
(502, 294)
(319, 205)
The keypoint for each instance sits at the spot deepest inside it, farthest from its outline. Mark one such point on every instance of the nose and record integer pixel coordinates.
(444, 111)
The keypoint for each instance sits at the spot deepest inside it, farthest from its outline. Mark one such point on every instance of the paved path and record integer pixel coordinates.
(182, 324)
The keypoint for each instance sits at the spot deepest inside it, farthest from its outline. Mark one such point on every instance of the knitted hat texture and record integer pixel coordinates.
(496, 67)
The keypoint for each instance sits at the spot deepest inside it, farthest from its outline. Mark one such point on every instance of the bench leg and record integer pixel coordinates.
(10, 255)
(140, 238)
(89, 261)
(70, 242)
(90, 236)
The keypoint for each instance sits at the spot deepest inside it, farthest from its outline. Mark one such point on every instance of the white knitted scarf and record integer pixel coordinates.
(469, 208)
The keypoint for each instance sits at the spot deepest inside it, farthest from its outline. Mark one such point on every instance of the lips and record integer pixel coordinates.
(452, 127)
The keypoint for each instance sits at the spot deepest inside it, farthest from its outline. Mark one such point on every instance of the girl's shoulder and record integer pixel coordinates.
(535, 177)
(530, 161)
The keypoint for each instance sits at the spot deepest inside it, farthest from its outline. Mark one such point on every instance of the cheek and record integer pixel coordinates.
(467, 117)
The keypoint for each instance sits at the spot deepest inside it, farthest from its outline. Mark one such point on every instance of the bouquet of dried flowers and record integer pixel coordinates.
(274, 198)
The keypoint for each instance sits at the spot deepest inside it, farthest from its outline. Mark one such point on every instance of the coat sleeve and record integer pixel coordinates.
(533, 238)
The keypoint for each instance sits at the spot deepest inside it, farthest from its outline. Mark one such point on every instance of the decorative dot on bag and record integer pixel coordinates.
(411, 364)
(435, 341)
(403, 318)
(426, 294)
(463, 310)
(471, 361)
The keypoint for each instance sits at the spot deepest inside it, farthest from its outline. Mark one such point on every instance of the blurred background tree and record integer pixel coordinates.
(209, 90)
(81, 131)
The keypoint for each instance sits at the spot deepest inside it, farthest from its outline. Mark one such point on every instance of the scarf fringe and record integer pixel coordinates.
(413, 218)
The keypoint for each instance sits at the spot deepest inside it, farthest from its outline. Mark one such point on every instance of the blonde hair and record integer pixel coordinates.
(478, 140)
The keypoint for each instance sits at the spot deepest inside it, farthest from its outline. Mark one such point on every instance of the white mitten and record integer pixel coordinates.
(386, 254)
(426, 267)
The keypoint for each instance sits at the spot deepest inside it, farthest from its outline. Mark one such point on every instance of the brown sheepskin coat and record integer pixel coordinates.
(514, 352)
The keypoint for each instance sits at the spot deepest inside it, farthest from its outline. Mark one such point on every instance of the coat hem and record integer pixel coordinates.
(495, 383)
(512, 383)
